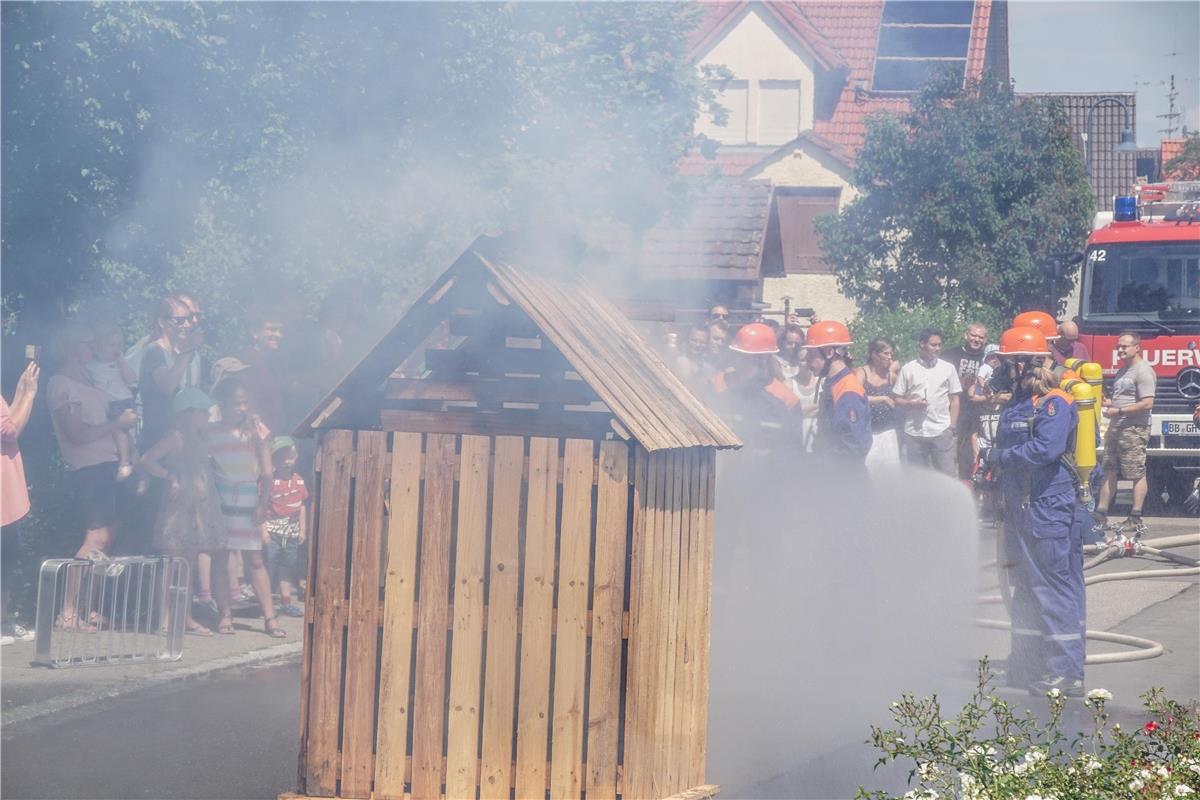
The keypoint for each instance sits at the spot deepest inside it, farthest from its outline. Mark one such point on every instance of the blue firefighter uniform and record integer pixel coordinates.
(1044, 526)
(844, 429)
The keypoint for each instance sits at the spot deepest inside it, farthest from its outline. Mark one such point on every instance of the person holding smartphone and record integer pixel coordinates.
(14, 493)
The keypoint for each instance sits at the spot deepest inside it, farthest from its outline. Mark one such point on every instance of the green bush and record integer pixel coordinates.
(903, 325)
(989, 752)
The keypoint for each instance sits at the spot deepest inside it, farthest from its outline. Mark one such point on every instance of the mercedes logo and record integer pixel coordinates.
(1189, 383)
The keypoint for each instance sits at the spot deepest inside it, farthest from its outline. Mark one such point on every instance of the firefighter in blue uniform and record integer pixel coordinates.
(1044, 521)
(844, 422)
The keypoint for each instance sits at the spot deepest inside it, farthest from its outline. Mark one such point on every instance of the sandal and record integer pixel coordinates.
(273, 628)
(196, 629)
(225, 626)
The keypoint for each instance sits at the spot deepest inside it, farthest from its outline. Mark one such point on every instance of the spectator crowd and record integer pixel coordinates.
(171, 453)
(168, 452)
(779, 386)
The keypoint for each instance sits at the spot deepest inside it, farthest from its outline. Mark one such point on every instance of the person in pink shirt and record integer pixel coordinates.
(14, 493)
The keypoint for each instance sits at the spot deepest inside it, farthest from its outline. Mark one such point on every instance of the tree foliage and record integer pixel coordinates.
(964, 201)
(229, 148)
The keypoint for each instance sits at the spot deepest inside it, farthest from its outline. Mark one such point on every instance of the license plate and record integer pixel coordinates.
(1180, 429)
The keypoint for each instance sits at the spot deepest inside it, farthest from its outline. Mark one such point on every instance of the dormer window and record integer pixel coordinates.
(917, 38)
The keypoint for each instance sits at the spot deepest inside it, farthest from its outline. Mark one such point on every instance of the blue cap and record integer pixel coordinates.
(189, 398)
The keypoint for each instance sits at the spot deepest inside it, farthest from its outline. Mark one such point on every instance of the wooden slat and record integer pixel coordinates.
(508, 360)
(468, 388)
(664, 581)
(358, 700)
(636, 753)
(512, 422)
(570, 654)
(462, 743)
(429, 705)
(537, 606)
(608, 598)
(614, 387)
(504, 577)
(328, 595)
(497, 323)
(689, 605)
(306, 658)
(680, 766)
(708, 472)
(398, 619)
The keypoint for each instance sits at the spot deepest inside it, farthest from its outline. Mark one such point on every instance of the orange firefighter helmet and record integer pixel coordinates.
(755, 339)
(1023, 341)
(827, 333)
(1037, 319)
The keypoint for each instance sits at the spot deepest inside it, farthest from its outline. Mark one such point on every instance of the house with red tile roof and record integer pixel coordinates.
(805, 77)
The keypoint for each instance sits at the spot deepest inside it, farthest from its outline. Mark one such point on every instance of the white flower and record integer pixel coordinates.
(1035, 756)
(1145, 774)
(1163, 772)
(1135, 785)
(1182, 790)
(1099, 695)
(1194, 768)
(1021, 769)
(928, 772)
(1092, 765)
(1054, 694)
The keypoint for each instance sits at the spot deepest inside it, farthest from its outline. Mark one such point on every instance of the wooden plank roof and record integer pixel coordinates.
(597, 340)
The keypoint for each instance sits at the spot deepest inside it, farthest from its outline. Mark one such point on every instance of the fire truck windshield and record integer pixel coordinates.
(1142, 281)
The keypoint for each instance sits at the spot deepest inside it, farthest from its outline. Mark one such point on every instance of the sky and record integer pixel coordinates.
(1121, 45)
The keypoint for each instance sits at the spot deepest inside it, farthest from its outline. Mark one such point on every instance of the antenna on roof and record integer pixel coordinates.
(1171, 115)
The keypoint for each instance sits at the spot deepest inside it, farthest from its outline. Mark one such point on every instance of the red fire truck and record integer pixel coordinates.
(1141, 272)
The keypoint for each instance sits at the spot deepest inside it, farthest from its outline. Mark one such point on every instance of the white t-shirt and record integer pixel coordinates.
(106, 376)
(932, 383)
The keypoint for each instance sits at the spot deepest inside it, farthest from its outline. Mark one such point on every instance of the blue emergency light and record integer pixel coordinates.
(1125, 209)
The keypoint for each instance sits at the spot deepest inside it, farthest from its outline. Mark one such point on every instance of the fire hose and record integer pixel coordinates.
(1120, 547)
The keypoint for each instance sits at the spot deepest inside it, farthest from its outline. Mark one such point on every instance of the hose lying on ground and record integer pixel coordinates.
(1146, 648)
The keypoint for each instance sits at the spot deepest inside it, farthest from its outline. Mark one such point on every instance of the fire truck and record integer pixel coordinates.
(1141, 273)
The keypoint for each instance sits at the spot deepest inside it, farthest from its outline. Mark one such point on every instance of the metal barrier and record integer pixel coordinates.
(111, 611)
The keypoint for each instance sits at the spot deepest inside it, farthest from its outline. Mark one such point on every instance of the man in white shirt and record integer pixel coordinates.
(927, 394)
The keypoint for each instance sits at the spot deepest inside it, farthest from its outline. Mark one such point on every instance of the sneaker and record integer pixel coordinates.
(1069, 687)
(291, 610)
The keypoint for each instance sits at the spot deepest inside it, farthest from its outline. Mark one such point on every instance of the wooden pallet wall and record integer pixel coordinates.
(505, 617)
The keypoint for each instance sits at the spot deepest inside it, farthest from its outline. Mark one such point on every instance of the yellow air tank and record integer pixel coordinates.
(1091, 372)
(1085, 435)
(1073, 363)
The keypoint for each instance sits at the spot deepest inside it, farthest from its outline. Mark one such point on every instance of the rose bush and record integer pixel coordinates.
(987, 751)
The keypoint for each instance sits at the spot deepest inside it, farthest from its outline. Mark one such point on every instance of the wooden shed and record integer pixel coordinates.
(510, 557)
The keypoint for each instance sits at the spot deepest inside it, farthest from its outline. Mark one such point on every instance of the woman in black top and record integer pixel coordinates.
(878, 377)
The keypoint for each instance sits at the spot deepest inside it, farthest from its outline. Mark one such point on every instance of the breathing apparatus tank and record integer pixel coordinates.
(1085, 434)
(1093, 373)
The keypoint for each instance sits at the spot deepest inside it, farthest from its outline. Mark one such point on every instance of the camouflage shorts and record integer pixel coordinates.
(1125, 447)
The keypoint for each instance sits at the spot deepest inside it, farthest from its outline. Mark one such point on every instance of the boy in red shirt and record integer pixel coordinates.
(287, 524)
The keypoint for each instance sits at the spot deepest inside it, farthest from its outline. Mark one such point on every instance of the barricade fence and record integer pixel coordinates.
(111, 611)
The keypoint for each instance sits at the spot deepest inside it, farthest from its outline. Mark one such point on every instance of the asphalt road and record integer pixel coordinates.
(231, 735)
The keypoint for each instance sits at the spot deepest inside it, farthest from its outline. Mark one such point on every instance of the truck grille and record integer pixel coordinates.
(1168, 400)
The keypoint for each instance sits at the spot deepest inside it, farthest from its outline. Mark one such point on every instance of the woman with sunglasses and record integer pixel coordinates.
(170, 362)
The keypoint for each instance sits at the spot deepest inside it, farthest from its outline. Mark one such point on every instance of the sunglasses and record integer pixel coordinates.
(185, 318)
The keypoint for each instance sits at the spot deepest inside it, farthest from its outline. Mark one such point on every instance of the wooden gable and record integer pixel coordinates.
(491, 349)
